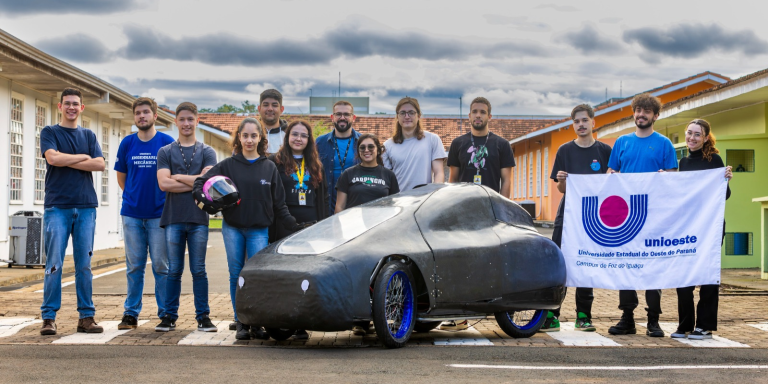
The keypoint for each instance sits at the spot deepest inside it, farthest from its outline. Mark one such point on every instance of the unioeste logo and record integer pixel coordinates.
(614, 223)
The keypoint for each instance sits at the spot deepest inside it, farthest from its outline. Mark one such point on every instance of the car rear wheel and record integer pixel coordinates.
(425, 326)
(280, 334)
(394, 305)
(521, 324)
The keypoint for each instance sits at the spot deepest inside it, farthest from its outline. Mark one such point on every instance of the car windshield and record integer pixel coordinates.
(336, 230)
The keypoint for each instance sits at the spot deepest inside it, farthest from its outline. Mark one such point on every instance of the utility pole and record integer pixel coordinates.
(339, 84)
(461, 116)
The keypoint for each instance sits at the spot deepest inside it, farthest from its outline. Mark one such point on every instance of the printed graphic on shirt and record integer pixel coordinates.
(478, 155)
(595, 165)
(368, 180)
(144, 160)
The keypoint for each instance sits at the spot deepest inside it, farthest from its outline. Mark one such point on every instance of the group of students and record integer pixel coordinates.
(287, 180)
(641, 151)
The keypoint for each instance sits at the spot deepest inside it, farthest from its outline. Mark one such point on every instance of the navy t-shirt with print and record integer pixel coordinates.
(366, 184)
(142, 197)
(67, 187)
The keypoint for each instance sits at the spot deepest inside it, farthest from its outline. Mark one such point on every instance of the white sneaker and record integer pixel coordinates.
(454, 326)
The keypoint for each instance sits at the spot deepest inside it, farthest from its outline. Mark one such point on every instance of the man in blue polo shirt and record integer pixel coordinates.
(72, 154)
(136, 168)
(642, 151)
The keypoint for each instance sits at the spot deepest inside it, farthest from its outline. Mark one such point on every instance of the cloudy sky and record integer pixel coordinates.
(527, 57)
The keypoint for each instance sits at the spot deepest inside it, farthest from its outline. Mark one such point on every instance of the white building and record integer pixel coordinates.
(31, 82)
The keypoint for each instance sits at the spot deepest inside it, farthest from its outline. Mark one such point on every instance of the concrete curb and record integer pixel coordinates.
(69, 269)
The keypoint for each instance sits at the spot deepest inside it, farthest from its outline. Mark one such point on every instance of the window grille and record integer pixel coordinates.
(538, 173)
(738, 243)
(545, 174)
(530, 174)
(40, 167)
(17, 148)
(742, 160)
(105, 128)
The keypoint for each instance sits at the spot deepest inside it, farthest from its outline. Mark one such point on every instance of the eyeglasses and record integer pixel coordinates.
(369, 147)
(344, 115)
(301, 135)
(71, 105)
(409, 113)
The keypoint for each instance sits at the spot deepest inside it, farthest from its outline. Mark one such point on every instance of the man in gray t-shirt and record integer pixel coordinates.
(415, 155)
(186, 225)
(181, 207)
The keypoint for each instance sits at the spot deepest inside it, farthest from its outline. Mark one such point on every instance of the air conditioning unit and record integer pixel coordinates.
(26, 243)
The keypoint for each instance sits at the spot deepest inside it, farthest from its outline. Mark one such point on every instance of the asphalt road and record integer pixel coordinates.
(177, 364)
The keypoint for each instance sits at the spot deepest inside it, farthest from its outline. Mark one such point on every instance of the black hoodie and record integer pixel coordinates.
(261, 192)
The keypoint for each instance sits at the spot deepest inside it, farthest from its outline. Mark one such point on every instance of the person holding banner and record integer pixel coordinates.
(702, 155)
(642, 151)
(582, 156)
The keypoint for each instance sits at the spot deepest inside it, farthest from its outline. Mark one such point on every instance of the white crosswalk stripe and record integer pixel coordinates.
(223, 337)
(469, 336)
(110, 332)
(760, 326)
(12, 325)
(715, 342)
(568, 335)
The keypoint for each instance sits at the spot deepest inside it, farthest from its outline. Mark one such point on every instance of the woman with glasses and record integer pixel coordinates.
(246, 223)
(699, 323)
(368, 180)
(301, 174)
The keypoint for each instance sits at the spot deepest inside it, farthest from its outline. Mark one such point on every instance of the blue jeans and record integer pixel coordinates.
(59, 224)
(142, 235)
(180, 237)
(241, 244)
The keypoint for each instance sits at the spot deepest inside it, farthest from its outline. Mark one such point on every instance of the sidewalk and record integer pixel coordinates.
(21, 274)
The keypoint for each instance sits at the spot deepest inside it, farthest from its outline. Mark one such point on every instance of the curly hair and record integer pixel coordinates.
(379, 147)
(647, 101)
(237, 146)
(284, 156)
(709, 145)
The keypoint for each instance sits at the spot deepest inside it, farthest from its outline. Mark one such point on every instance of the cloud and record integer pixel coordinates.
(94, 7)
(518, 22)
(693, 40)
(610, 20)
(528, 100)
(350, 41)
(589, 41)
(78, 47)
(561, 8)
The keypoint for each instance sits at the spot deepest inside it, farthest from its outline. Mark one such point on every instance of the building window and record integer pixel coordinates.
(742, 160)
(105, 128)
(517, 177)
(17, 157)
(86, 124)
(545, 174)
(524, 177)
(41, 112)
(530, 174)
(538, 173)
(681, 152)
(738, 243)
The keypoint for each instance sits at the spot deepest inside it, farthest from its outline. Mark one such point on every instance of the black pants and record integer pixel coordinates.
(705, 314)
(628, 301)
(584, 296)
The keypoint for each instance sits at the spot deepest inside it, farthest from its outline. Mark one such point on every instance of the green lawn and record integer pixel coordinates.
(214, 223)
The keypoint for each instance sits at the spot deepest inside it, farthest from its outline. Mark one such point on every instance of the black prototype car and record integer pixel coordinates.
(407, 262)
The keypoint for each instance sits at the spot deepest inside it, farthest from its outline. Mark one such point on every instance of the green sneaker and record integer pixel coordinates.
(551, 324)
(583, 323)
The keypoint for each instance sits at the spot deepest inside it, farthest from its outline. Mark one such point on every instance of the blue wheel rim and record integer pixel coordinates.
(398, 305)
(525, 320)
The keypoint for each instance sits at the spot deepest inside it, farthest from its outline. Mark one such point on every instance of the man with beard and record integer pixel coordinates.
(136, 168)
(270, 109)
(337, 148)
(482, 158)
(642, 151)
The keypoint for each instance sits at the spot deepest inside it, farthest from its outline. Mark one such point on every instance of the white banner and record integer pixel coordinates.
(644, 230)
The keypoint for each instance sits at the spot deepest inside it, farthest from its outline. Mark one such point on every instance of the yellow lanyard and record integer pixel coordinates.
(300, 174)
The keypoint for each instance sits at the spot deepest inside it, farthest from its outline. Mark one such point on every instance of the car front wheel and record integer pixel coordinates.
(394, 305)
(521, 324)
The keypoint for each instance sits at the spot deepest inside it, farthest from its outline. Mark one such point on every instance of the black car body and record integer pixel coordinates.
(470, 251)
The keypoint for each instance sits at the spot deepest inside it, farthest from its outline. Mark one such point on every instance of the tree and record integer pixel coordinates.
(248, 107)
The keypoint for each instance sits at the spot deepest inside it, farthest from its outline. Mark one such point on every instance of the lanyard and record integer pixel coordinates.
(343, 162)
(300, 175)
(194, 150)
(480, 152)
